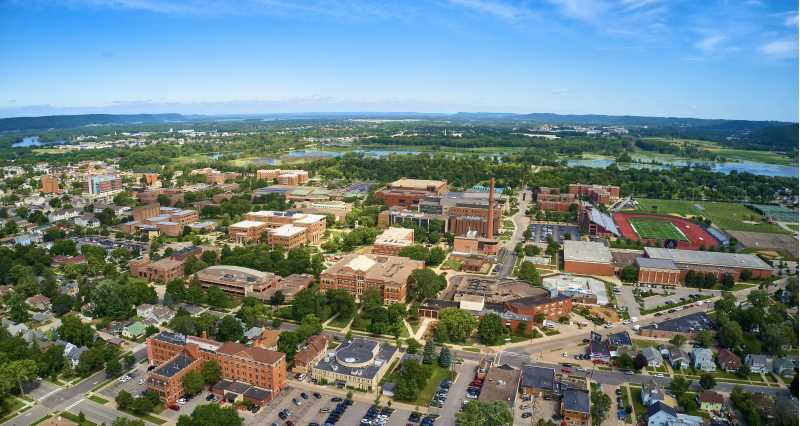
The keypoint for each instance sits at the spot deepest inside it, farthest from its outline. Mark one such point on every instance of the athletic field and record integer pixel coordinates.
(656, 230)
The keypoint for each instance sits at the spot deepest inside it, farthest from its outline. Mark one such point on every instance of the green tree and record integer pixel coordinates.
(629, 274)
(529, 273)
(705, 338)
(211, 372)
(639, 361)
(22, 371)
(478, 413)
(678, 340)
(412, 345)
(141, 406)
(424, 284)
(679, 386)
(428, 353)
(192, 383)
(130, 361)
(491, 330)
(601, 403)
(229, 329)
(459, 323)
(124, 400)
(707, 381)
(444, 357)
(73, 330)
(211, 415)
(18, 309)
(113, 367)
(124, 421)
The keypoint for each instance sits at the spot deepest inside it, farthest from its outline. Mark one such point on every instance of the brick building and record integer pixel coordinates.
(392, 240)
(588, 258)
(358, 272)
(409, 192)
(551, 199)
(313, 225)
(246, 231)
(658, 271)
(237, 280)
(311, 354)
(711, 262)
(284, 177)
(163, 270)
(287, 236)
(50, 185)
(175, 355)
(597, 194)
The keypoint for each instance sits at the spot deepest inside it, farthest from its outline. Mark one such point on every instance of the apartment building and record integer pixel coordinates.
(287, 237)
(246, 231)
(102, 184)
(237, 280)
(314, 225)
(358, 272)
(597, 194)
(284, 177)
(260, 373)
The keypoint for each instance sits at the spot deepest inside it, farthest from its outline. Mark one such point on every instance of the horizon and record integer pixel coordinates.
(711, 60)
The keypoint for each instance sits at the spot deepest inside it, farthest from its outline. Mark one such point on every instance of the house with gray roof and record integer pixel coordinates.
(703, 359)
(784, 367)
(678, 358)
(758, 363)
(653, 356)
(660, 414)
(652, 392)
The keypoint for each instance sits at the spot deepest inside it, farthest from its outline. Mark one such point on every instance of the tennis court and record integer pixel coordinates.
(656, 230)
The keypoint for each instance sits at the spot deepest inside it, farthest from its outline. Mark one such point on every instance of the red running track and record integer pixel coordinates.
(695, 233)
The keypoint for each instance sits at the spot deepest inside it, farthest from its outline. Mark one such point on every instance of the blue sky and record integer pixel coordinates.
(710, 59)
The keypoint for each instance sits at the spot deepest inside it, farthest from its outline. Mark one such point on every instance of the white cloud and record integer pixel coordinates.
(495, 8)
(780, 48)
(791, 19)
(709, 43)
(630, 5)
(583, 10)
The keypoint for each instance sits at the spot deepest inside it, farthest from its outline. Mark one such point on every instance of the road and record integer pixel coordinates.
(73, 399)
(520, 225)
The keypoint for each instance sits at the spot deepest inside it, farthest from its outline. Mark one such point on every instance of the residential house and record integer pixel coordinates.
(39, 302)
(268, 339)
(599, 352)
(678, 358)
(728, 360)
(253, 333)
(653, 356)
(537, 381)
(42, 316)
(652, 392)
(70, 288)
(703, 359)
(710, 401)
(155, 314)
(72, 352)
(784, 367)
(20, 329)
(660, 414)
(620, 340)
(758, 363)
(87, 220)
(575, 407)
(134, 331)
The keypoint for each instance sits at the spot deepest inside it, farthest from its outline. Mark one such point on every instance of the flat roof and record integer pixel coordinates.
(396, 236)
(248, 224)
(576, 400)
(500, 384)
(331, 363)
(708, 258)
(586, 251)
(287, 230)
(646, 262)
(416, 183)
(175, 365)
(538, 377)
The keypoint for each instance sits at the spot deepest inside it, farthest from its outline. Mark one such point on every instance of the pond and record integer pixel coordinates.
(753, 167)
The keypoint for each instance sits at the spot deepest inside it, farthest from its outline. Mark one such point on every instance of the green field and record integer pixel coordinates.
(649, 229)
(728, 216)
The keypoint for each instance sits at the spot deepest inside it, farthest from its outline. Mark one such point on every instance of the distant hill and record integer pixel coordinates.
(72, 121)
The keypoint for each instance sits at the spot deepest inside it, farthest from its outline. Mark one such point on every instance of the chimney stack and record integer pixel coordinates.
(490, 216)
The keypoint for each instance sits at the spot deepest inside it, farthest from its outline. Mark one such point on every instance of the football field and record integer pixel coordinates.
(656, 229)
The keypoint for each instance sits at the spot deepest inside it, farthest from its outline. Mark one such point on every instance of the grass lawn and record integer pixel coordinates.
(755, 377)
(148, 417)
(10, 407)
(638, 408)
(551, 332)
(793, 226)
(742, 286)
(74, 417)
(639, 343)
(340, 322)
(787, 380)
(438, 374)
(627, 401)
(728, 216)
(478, 350)
(656, 229)
(98, 399)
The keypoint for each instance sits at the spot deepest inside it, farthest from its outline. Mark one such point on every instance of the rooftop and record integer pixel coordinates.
(416, 183)
(708, 258)
(175, 365)
(576, 400)
(287, 231)
(377, 267)
(248, 224)
(646, 262)
(500, 384)
(586, 251)
(330, 362)
(538, 377)
(396, 236)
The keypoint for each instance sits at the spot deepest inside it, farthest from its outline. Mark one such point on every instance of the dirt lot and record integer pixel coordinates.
(786, 244)
(608, 314)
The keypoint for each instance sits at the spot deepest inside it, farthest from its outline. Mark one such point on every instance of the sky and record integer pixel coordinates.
(686, 58)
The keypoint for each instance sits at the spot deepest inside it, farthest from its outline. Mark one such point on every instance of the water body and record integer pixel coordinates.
(33, 141)
(753, 167)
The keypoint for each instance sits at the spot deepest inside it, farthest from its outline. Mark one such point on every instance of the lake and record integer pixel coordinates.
(753, 167)
(33, 141)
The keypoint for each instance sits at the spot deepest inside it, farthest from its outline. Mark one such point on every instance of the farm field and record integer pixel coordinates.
(728, 216)
(656, 230)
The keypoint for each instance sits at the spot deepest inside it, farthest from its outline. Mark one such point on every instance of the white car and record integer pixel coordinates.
(182, 401)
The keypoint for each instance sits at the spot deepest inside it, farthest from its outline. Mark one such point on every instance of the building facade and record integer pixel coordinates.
(356, 273)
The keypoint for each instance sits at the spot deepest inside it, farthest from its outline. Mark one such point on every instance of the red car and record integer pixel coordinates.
(175, 407)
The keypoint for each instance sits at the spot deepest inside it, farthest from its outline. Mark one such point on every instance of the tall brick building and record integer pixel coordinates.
(259, 373)
(358, 272)
(409, 192)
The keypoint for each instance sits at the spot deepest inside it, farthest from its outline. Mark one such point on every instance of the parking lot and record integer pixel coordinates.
(309, 410)
(540, 409)
(540, 232)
